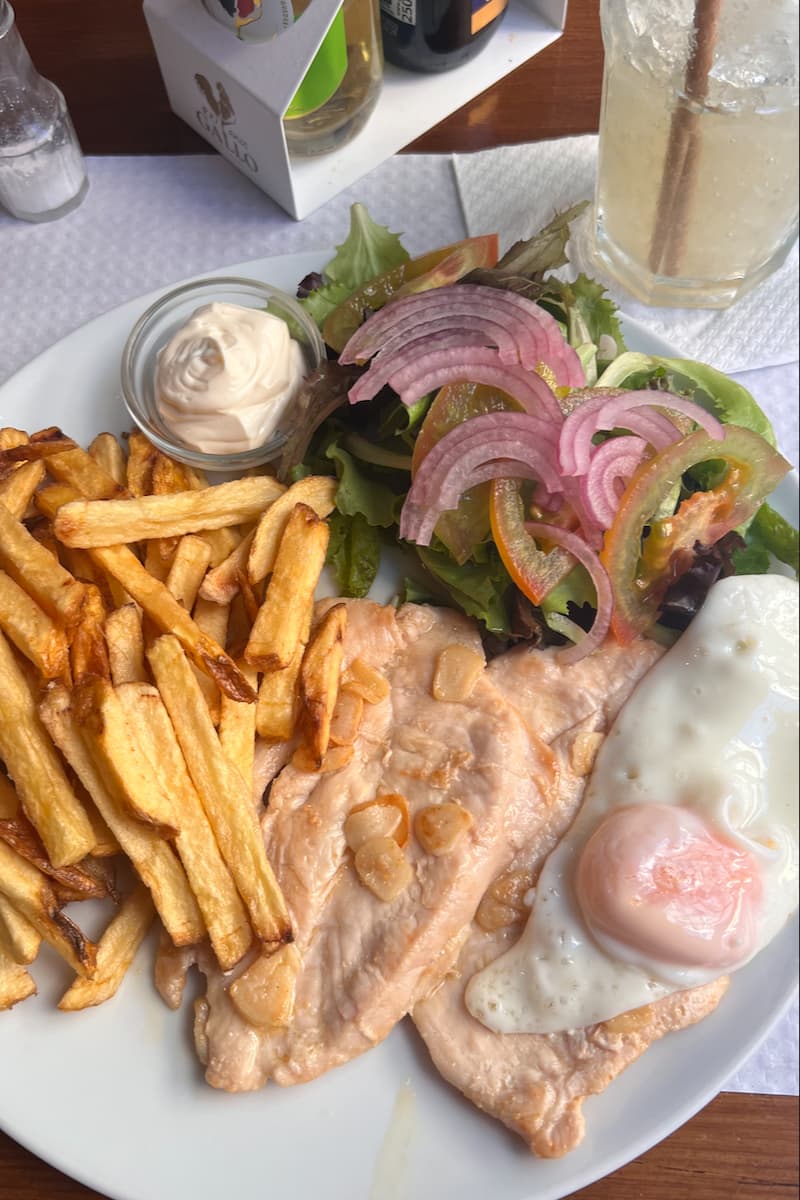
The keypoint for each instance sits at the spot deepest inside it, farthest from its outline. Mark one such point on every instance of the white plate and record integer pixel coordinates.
(115, 1097)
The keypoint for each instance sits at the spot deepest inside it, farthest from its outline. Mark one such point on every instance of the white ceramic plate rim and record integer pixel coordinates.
(139, 1124)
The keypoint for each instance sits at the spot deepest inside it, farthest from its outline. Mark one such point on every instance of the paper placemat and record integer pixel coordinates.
(517, 189)
(148, 222)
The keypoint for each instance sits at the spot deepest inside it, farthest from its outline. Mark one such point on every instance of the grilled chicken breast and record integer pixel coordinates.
(367, 961)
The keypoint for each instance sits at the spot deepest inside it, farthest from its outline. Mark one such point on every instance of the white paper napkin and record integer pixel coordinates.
(516, 189)
(148, 222)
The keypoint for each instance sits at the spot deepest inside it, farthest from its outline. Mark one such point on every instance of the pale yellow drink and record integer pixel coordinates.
(734, 215)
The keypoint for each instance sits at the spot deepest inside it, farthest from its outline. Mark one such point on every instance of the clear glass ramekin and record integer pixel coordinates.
(157, 326)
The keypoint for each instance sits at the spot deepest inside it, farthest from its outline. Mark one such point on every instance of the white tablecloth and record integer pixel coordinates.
(147, 222)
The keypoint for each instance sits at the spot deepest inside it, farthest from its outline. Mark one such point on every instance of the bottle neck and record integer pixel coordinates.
(15, 62)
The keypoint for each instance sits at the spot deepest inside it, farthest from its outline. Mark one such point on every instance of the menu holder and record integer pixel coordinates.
(234, 93)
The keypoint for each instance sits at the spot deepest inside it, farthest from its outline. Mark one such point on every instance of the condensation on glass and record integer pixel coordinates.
(697, 190)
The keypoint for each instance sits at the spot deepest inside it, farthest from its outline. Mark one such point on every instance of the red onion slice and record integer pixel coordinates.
(624, 404)
(477, 431)
(453, 307)
(439, 489)
(487, 333)
(611, 466)
(478, 366)
(639, 412)
(599, 576)
(447, 345)
(496, 303)
(422, 525)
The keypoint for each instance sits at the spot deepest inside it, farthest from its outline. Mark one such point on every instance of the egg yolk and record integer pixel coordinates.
(657, 879)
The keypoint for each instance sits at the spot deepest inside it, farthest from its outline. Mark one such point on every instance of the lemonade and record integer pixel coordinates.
(734, 209)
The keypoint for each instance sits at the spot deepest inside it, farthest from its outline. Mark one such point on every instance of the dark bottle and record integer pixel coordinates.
(436, 35)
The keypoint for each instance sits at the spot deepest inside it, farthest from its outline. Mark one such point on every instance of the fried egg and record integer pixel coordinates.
(683, 860)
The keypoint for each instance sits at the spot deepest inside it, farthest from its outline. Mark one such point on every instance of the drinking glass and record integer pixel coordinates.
(697, 187)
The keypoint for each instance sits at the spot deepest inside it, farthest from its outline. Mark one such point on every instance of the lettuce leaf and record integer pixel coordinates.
(354, 553)
(768, 535)
(368, 250)
(478, 589)
(708, 387)
(359, 493)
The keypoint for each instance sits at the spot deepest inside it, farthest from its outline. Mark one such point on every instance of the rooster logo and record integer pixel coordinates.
(220, 103)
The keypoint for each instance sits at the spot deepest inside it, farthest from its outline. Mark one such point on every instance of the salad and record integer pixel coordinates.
(550, 483)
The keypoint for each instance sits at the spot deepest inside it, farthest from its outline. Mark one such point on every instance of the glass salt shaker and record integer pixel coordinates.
(42, 172)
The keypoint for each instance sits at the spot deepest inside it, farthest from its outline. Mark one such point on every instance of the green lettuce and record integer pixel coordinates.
(478, 589)
(354, 553)
(768, 536)
(368, 250)
(715, 392)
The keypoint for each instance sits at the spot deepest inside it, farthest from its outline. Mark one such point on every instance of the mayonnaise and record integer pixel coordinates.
(227, 377)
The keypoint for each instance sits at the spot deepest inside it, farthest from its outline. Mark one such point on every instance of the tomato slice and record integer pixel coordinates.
(434, 269)
(641, 571)
(535, 571)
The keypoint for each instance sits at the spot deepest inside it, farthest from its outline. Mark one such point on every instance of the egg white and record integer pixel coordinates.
(712, 727)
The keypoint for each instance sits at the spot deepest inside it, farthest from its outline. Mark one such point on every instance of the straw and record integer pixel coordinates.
(683, 147)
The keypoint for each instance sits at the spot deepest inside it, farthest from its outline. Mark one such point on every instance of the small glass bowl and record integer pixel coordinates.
(160, 323)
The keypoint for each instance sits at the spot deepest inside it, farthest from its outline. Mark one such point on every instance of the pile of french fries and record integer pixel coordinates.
(150, 626)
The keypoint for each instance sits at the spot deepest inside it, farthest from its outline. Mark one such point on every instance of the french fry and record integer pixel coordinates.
(18, 938)
(114, 748)
(9, 801)
(282, 618)
(317, 491)
(107, 453)
(10, 437)
(334, 759)
(15, 983)
(278, 701)
(162, 607)
(152, 857)
(78, 470)
(16, 490)
(37, 571)
(319, 678)
(213, 620)
(47, 798)
(32, 631)
(221, 542)
(156, 563)
(226, 797)
(142, 455)
(31, 895)
(125, 644)
(18, 833)
(209, 877)
(92, 523)
(116, 951)
(170, 476)
(88, 652)
(105, 844)
(237, 730)
(42, 445)
(189, 565)
(221, 583)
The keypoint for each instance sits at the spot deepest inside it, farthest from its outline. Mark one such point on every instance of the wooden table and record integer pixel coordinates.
(740, 1147)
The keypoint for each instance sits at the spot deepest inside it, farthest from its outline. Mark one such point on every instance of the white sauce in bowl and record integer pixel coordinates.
(226, 379)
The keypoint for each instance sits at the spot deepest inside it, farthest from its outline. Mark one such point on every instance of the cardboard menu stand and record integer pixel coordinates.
(234, 93)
